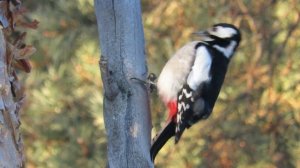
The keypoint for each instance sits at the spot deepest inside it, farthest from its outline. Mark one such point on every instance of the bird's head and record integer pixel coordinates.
(223, 36)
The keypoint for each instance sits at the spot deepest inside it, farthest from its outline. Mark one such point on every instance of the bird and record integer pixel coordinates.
(190, 81)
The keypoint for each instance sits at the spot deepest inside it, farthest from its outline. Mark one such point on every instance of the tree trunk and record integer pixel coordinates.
(11, 152)
(126, 104)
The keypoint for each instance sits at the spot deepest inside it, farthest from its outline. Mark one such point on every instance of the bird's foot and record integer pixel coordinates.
(150, 82)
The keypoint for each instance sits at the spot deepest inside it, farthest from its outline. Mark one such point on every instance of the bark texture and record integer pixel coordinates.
(11, 148)
(126, 104)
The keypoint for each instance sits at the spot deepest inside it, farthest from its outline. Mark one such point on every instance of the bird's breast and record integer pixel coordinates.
(175, 72)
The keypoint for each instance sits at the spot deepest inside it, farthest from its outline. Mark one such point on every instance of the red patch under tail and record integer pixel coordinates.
(172, 106)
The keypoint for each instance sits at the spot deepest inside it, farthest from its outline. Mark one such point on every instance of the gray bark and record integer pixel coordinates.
(126, 104)
(11, 149)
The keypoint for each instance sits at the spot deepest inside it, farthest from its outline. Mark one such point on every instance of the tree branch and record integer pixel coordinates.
(126, 104)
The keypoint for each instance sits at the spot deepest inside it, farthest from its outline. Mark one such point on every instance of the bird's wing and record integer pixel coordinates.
(185, 102)
(191, 91)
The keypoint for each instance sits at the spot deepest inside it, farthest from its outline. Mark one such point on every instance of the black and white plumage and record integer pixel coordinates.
(193, 77)
(203, 90)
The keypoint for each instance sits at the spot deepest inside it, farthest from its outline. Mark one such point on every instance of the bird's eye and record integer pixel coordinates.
(214, 29)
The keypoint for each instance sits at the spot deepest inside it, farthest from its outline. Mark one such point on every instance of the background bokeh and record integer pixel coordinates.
(256, 120)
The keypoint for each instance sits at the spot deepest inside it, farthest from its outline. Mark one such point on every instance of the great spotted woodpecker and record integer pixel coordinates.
(190, 82)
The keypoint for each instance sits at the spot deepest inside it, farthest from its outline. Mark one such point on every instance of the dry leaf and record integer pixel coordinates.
(31, 25)
(23, 65)
(25, 52)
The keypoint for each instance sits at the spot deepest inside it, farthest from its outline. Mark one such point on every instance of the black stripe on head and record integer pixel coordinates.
(219, 41)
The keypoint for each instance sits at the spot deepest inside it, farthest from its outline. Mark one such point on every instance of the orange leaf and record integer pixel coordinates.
(23, 65)
(31, 25)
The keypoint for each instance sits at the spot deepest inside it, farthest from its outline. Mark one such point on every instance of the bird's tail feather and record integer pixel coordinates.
(162, 138)
(178, 134)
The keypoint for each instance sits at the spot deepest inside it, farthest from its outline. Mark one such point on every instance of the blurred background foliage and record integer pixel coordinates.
(256, 120)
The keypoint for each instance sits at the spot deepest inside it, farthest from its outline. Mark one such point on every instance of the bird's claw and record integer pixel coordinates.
(150, 82)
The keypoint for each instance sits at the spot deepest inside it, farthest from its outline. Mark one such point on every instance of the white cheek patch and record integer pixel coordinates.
(228, 51)
(224, 32)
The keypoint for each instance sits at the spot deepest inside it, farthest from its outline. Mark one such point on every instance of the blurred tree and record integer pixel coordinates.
(256, 120)
(63, 122)
(11, 149)
(14, 55)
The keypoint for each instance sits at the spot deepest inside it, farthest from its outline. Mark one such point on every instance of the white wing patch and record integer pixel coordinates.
(187, 95)
(184, 106)
(200, 69)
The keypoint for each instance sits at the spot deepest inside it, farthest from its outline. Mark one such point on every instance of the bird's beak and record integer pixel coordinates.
(203, 35)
